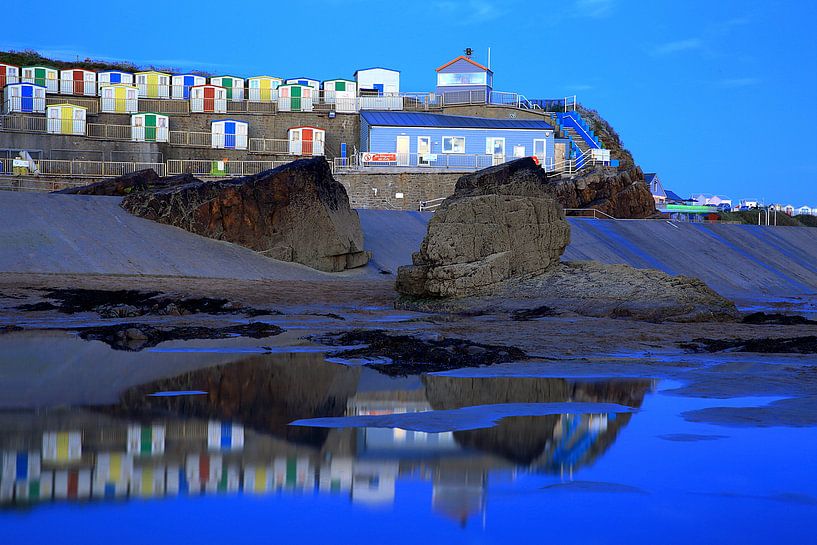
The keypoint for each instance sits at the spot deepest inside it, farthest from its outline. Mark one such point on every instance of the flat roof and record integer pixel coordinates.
(421, 119)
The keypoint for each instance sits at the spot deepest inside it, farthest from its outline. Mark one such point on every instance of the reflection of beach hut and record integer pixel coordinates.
(8, 74)
(42, 76)
(66, 119)
(295, 98)
(182, 83)
(76, 81)
(112, 77)
(309, 82)
(306, 141)
(263, 88)
(153, 84)
(342, 93)
(233, 85)
(229, 134)
(146, 440)
(208, 98)
(24, 97)
(149, 127)
(119, 98)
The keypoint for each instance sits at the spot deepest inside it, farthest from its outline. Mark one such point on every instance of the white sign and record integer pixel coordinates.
(19, 163)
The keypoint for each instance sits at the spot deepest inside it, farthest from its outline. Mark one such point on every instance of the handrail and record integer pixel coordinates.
(587, 134)
(596, 212)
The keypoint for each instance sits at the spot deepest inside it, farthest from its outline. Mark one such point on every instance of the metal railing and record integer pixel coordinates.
(58, 125)
(23, 123)
(119, 105)
(191, 139)
(78, 88)
(24, 104)
(588, 213)
(427, 161)
(91, 104)
(164, 106)
(251, 107)
(56, 167)
(431, 205)
(109, 132)
(219, 168)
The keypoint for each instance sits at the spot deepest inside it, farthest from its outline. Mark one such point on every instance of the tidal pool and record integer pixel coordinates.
(91, 455)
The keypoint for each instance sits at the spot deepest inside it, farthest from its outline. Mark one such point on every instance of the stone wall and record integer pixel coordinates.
(80, 148)
(414, 186)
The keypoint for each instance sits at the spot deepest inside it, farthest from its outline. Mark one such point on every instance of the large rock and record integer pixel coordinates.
(617, 193)
(500, 223)
(141, 180)
(297, 212)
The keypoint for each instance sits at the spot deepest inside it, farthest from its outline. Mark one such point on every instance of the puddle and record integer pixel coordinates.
(95, 442)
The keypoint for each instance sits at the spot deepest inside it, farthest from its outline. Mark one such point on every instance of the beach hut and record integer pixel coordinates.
(309, 82)
(229, 134)
(342, 93)
(119, 98)
(378, 81)
(153, 84)
(263, 88)
(24, 97)
(9, 74)
(209, 99)
(306, 141)
(42, 76)
(295, 98)
(182, 83)
(233, 85)
(76, 81)
(805, 210)
(149, 127)
(112, 77)
(66, 119)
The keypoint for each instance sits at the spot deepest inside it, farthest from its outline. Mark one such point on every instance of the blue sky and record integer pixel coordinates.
(717, 97)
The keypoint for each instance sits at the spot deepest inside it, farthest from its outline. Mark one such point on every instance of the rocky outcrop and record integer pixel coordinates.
(141, 180)
(499, 224)
(617, 193)
(494, 246)
(297, 212)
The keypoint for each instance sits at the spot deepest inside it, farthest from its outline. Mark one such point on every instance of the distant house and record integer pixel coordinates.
(805, 211)
(674, 198)
(704, 199)
(463, 77)
(182, 83)
(747, 204)
(656, 188)
(788, 210)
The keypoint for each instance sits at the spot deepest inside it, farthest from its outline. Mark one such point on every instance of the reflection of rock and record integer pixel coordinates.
(135, 337)
(297, 212)
(525, 439)
(261, 392)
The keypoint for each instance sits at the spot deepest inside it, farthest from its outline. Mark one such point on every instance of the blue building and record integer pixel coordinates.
(464, 75)
(424, 139)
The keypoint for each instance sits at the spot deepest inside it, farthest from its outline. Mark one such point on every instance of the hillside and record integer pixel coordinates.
(749, 217)
(32, 58)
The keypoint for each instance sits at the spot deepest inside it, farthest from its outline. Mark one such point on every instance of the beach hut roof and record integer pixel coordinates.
(375, 68)
(267, 77)
(307, 127)
(154, 72)
(25, 83)
(207, 85)
(150, 113)
(304, 77)
(40, 66)
(233, 120)
(114, 72)
(339, 79)
(66, 104)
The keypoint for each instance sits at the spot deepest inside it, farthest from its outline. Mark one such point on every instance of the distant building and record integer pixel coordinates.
(309, 82)
(233, 85)
(747, 204)
(805, 211)
(76, 81)
(674, 198)
(153, 84)
(656, 188)
(463, 76)
(378, 81)
(182, 83)
(788, 210)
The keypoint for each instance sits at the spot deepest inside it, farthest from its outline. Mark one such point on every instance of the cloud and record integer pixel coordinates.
(668, 48)
(593, 8)
(472, 11)
(734, 83)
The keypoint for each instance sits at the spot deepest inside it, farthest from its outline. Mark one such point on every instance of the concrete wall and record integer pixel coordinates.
(60, 146)
(415, 187)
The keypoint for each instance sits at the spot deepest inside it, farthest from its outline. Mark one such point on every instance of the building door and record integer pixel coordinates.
(39, 76)
(306, 141)
(227, 83)
(229, 135)
(495, 147)
(209, 99)
(423, 150)
(379, 88)
(188, 83)
(295, 99)
(26, 98)
(403, 150)
(79, 82)
(67, 119)
(540, 150)
(150, 127)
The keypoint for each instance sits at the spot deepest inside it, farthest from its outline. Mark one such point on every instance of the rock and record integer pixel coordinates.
(620, 194)
(141, 180)
(296, 212)
(500, 223)
(794, 345)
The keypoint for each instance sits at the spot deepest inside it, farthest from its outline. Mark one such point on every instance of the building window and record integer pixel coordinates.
(453, 144)
(473, 78)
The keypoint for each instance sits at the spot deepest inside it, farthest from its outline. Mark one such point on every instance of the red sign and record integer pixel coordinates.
(379, 157)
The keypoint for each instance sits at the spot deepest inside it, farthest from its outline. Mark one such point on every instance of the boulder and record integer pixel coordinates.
(617, 193)
(141, 180)
(297, 212)
(500, 223)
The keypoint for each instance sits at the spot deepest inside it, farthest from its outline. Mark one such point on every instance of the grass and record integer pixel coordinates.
(749, 217)
(32, 58)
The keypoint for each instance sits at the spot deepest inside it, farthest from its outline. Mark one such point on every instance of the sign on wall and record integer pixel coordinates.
(379, 157)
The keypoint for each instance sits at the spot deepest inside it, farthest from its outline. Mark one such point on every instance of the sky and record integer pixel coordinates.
(715, 96)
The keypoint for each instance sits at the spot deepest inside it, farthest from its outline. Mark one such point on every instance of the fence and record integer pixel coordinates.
(56, 167)
(109, 132)
(418, 162)
(164, 106)
(269, 145)
(219, 168)
(23, 123)
(91, 104)
(24, 104)
(191, 139)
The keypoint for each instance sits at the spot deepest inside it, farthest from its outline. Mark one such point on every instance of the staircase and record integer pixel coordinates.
(576, 138)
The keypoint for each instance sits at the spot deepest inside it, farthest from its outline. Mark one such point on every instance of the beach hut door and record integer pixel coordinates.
(79, 82)
(229, 134)
(295, 94)
(227, 83)
(26, 98)
(150, 127)
(188, 83)
(209, 102)
(39, 76)
(115, 77)
(67, 118)
(307, 141)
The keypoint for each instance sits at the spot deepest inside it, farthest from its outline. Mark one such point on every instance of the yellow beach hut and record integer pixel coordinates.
(153, 84)
(42, 76)
(76, 81)
(263, 88)
(233, 85)
(66, 119)
(119, 98)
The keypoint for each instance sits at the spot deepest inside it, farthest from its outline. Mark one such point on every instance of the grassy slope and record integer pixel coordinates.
(749, 217)
(32, 58)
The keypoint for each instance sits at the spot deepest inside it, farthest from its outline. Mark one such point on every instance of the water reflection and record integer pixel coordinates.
(236, 438)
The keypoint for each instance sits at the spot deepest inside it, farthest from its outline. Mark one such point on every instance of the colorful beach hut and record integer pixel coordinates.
(208, 99)
(263, 88)
(306, 141)
(76, 81)
(24, 97)
(342, 93)
(229, 134)
(233, 85)
(149, 127)
(112, 77)
(119, 98)
(9, 74)
(295, 98)
(153, 84)
(66, 119)
(309, 82)
(182, 83)
(42, 76)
